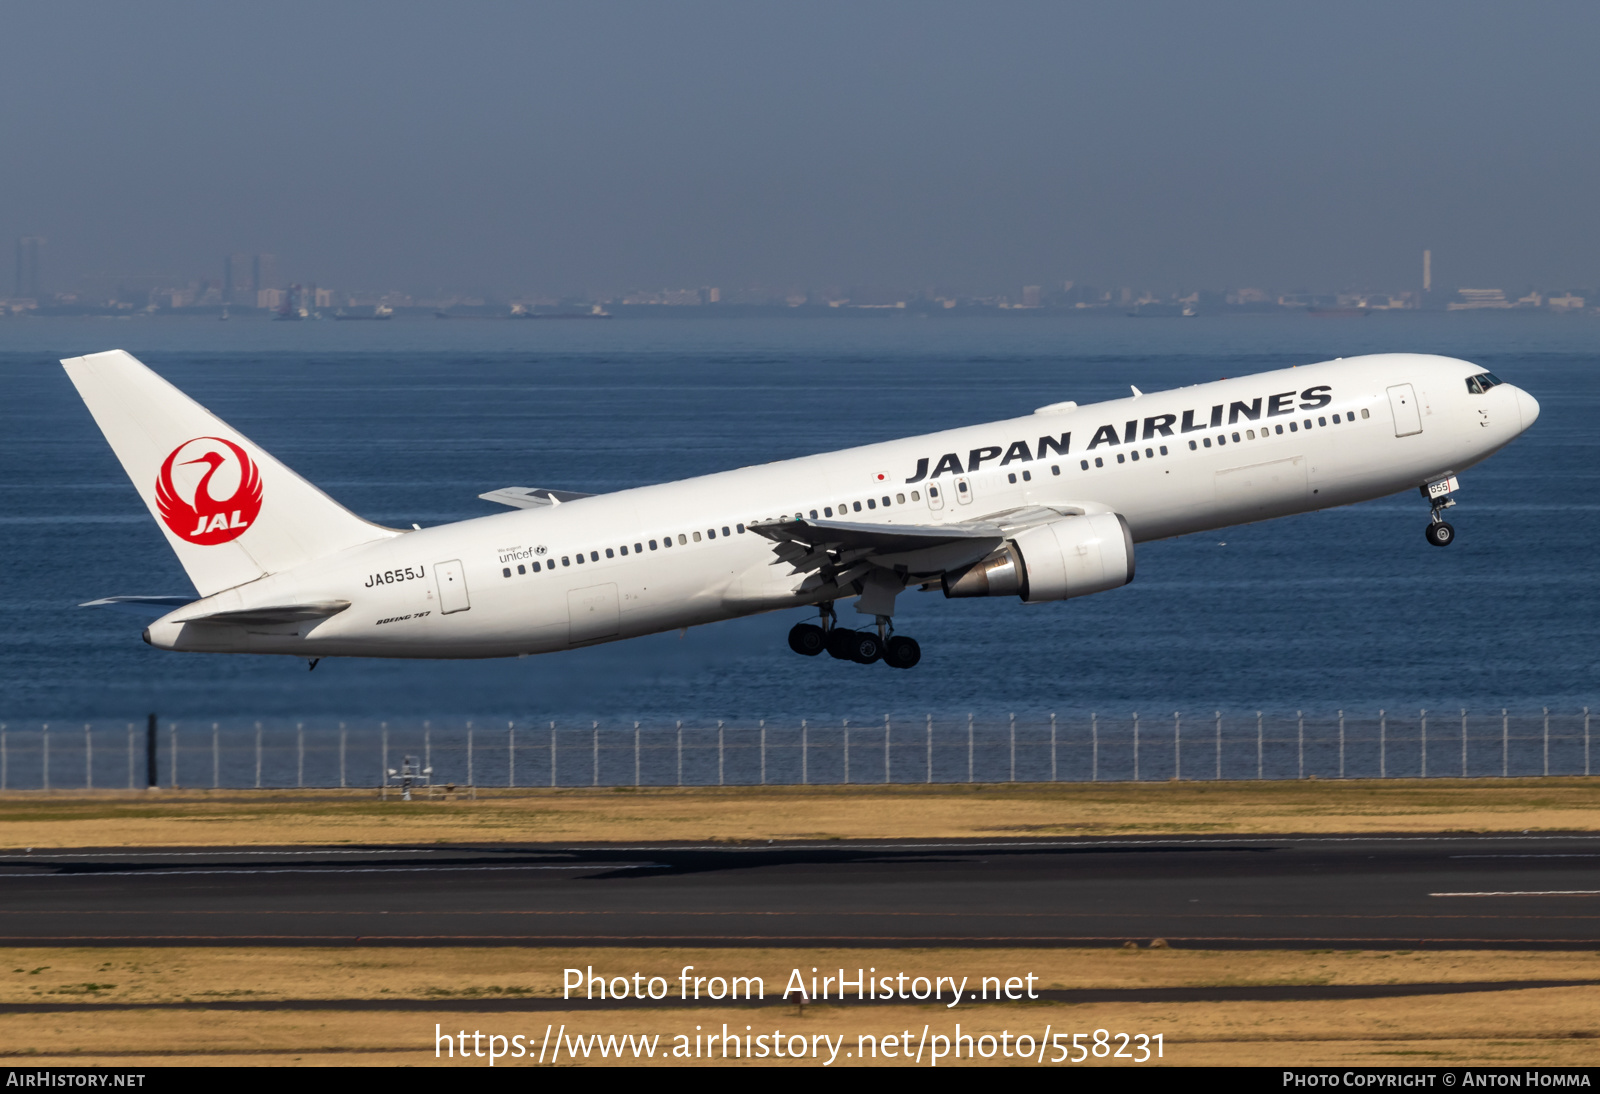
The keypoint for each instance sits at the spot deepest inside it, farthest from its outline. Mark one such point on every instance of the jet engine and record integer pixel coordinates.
(1075, 556)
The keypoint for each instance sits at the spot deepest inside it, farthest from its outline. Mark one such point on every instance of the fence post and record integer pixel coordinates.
(45, 737)
(1052, 746)
(1423, 738)
(762, 724)
(152, 780)
(1505, 744)
(930, 748)
(719, 753)
(1463, 742)
(805, 753)
(130, 756)
(885, 750)
(258, 759)
(1341, 742)
(343, 741)
(1094, 747)
(1013, 748)
(1219, 745)
(847, 752)
(1177, 747)
(636, 755)
(594, 744)
(553, 754)
(470, 783)
(300, 755)
(969, 746)
(1585, 740)
(1260, 740)
(1136, 746)
(1547, 740)
(88, 758)
(5, 757)
(680, 751)
(1383, 745)
(1300, 743)
(172, 742)
(216, 757)
(511, 753)
(384, 782)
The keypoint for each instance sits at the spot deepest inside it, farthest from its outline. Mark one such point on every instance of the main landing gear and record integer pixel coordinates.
(862, 647)
(1440, 532)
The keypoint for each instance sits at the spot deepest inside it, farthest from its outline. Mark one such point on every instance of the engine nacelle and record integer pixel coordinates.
(1071, 557)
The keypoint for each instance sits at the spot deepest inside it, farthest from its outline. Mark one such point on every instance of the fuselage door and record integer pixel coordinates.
(452, 582)
(1407, 415)
(935, 496)
(963, 488)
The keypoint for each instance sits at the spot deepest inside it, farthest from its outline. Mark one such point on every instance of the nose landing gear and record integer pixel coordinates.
(862, 647)
(1440, 532)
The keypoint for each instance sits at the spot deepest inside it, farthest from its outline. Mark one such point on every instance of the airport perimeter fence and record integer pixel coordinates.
(1094, 747)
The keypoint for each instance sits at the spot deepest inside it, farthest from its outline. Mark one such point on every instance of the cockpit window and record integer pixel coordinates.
(1482, 382)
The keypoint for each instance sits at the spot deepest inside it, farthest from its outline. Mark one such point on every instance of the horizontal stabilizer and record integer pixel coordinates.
(279, 613)
(531, 497)
(149, 606)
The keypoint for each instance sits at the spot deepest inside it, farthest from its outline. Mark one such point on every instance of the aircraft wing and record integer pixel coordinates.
(840, 551)
(531, 497)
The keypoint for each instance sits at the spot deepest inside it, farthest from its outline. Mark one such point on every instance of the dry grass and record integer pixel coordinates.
(231, 818)
(1517, 1026)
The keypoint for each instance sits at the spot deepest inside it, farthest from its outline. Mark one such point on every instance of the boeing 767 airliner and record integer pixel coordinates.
(1043, 507)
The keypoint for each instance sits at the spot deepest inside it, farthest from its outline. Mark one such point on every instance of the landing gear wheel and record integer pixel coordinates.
(807, 639)
(902, 652)
(839, 642)
(1441, 534)
(865, 647)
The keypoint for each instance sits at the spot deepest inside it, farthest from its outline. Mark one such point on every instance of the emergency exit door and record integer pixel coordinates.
(452, 582)
(1407, 415)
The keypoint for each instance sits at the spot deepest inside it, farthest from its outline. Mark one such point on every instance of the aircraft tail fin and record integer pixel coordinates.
(231, 512)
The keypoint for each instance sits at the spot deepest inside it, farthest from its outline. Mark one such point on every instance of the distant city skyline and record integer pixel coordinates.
(558, 149)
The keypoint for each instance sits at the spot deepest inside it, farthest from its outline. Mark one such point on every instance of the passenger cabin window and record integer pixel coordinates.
(1336, 419)
(1163, 450)
(1012, 477)
(696, 537)
(871, 504)
(506, 572)
(594, 556)
(915, 496)
(1293, 428)
(609, 554)
(1322, 421)
(1084, 464)
(521, 569)
(813, 517)
(1249, 434)
(1207, 442)
(1055, 469)
(900, 499)
(858, 506)
(565, 561)
(1278, 429)
(1365, 413)
(740, 527)
(536, 567)
(727, 533)
(827, 511)
(1236, 438)
(1192, 446)
(579, 557)
(1098, 462)
(652, 545)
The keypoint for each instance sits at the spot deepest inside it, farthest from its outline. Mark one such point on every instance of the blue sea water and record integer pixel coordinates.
(410, 420)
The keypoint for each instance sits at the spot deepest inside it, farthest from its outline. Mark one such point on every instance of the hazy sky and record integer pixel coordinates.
(977, 146)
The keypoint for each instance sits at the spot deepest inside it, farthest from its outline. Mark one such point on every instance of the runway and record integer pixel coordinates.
(1298, 892)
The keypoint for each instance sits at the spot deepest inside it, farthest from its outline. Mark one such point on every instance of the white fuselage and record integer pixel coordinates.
(1171, 463)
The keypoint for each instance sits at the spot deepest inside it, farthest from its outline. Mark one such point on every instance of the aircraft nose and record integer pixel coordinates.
(1528, 407)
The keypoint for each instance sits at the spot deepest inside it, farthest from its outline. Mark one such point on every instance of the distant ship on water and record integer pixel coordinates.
(382, 311)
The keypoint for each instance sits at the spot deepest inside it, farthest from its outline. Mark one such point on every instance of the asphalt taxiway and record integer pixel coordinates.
(1355, 892)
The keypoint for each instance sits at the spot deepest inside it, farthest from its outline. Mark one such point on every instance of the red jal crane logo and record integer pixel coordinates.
(192, 507)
